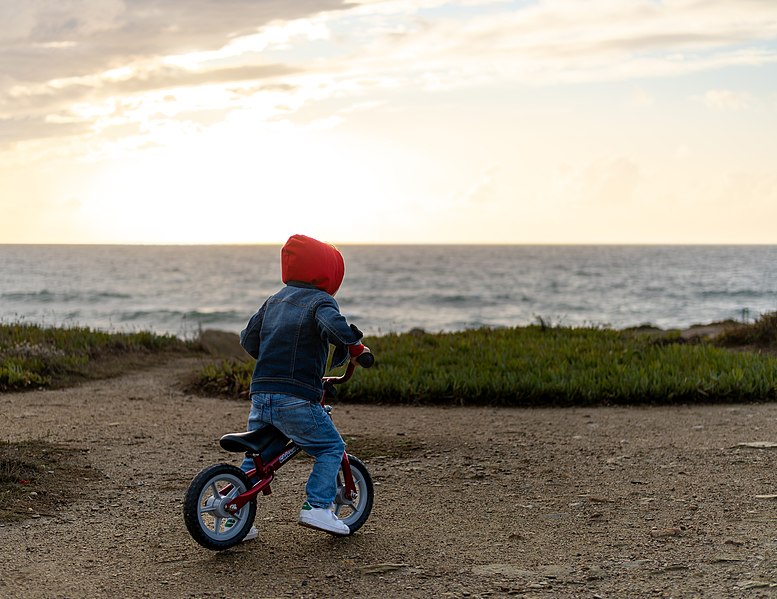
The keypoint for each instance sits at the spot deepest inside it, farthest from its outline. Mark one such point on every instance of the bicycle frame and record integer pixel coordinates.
(266, 472)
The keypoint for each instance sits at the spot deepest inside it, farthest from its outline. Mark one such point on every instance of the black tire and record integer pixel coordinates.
(355, 513)
(203, 512)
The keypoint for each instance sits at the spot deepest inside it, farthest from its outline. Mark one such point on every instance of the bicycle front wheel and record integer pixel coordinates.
(354, 513)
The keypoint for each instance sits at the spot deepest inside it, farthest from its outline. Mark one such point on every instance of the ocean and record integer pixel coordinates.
(181, 290)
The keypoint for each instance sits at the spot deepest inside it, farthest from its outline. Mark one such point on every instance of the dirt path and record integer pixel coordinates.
(608, 502)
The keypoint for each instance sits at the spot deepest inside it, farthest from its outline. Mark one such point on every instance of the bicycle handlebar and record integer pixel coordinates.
(365, 360)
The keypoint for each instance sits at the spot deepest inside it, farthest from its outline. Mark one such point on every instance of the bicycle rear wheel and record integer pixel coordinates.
(204, 506)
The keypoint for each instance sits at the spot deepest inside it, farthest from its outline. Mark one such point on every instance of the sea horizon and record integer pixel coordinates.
(391, 244)
(183, 288)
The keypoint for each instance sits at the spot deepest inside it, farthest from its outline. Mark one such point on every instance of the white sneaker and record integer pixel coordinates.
(322, 519)
(252, 534)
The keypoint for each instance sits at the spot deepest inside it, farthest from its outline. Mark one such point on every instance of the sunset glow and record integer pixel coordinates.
(432, 121)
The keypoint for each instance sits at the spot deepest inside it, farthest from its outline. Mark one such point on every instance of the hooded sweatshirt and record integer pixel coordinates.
(290, 334)
(307, 260)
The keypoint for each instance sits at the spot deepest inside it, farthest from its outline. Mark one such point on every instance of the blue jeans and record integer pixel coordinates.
(311, 428)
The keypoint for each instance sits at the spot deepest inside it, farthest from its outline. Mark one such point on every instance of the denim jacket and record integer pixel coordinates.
(289, 337)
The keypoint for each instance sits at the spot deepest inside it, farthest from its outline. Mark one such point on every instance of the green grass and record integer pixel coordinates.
(541, 365)
(525, 366)
(228, 378)
(33, 356)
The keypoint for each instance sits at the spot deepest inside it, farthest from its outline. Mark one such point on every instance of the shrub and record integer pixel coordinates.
(762, 333)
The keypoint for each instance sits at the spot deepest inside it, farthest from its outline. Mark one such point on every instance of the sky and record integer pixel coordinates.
(388, 121)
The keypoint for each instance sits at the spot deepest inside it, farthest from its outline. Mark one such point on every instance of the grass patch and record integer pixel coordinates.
(227, 378)
(541, 365)
(37, 478)
(32, 356)
(760, 334)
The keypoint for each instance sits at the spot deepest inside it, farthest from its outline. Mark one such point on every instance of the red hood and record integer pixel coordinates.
(308, 260)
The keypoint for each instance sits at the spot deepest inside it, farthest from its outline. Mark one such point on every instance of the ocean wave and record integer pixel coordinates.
(210, 317)
(736, 294)
(460, 300)
(44, 296)
(437, 298)
(207, 316)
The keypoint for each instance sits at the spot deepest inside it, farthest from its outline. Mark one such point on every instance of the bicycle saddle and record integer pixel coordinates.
(266, 441)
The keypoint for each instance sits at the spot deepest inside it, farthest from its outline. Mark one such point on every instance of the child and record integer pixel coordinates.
(289, 337)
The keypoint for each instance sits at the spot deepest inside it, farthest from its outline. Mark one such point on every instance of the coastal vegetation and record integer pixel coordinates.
(761, 334)
(521, 366)
(33, 356)
(546, 365)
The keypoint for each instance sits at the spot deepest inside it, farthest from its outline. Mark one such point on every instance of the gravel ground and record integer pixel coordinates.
(470, 502)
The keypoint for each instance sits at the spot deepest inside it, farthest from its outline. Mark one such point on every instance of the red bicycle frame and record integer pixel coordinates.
(266, 472)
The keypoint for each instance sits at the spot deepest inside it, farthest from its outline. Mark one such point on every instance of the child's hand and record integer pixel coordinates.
(357, 350)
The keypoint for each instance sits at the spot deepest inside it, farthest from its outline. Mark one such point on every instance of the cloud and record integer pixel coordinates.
(43, 40)
(17, 129)
(550, 40)
(561, 41)
(58, 57)
(126, 82)
(727, 100)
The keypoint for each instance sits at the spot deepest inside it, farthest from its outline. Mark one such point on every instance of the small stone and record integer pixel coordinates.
(599, 499)
(758, 444)
(723, 559)
(665, 532)
(556, 571)
(381, 568)
(756, 584)
(675, 567)
(506, 570)
(555, 515)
